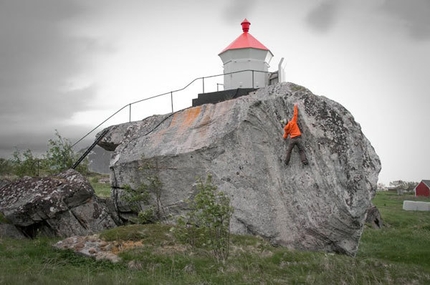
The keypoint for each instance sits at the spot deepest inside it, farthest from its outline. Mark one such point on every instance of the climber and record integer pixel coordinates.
(292, 129)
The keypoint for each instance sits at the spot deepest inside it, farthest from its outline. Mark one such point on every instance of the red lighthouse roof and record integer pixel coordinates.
(245, 40)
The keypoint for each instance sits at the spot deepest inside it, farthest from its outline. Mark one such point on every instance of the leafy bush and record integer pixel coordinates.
(207, 225)
(6, 167)
(139, 199)
(25, 163)
(60, 156)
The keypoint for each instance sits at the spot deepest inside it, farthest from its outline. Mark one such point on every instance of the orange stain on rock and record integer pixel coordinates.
(120, 246)
(185, 118)
(192, 114)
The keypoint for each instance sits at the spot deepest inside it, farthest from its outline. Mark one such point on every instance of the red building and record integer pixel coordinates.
(423, 188)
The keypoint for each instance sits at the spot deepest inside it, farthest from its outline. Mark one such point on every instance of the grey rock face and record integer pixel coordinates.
(321, 206)
(64, 205)
(10, 231)
(99, 159)
(374, 217)
(4, 182)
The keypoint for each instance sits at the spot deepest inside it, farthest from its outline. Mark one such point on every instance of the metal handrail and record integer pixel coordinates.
(164, 94)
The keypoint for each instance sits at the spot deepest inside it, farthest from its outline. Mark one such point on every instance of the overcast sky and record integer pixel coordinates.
(69, 64)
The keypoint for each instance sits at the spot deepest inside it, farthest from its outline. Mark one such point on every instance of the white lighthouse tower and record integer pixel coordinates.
(246, 68)
(246, 62)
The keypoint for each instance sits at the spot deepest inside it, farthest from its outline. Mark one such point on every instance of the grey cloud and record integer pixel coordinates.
(415, 15)
(33, 123)
(37, 140)
(38, 58)
(237, 10)
(37, 143)
(323, 16)
(36, 55)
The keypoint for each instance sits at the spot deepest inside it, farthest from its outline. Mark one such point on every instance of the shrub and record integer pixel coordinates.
(140, 198)
(6, 167)
(60, 156)
(25, 163)
(207, 224)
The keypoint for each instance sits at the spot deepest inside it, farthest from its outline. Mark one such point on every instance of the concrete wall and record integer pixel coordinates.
(416, 206)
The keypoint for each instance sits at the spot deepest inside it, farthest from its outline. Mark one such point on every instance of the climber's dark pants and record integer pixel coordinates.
(296, 141)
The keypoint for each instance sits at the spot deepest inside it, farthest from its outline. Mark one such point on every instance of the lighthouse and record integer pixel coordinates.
(246, 61)
(246, 68)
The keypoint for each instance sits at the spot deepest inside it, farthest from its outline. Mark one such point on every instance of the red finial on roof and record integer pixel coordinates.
(245, 25)
(245, 40)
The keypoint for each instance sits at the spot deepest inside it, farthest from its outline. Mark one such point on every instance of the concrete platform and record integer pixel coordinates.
(416, 206)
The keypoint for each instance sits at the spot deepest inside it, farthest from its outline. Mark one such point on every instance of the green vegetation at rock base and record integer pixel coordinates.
(397, 254)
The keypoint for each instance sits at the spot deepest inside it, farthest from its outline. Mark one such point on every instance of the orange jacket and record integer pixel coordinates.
(292, 128)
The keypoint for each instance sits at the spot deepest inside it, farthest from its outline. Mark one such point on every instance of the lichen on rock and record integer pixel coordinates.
(62, 205)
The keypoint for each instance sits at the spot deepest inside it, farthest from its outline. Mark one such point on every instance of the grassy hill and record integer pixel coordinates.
(397, 254)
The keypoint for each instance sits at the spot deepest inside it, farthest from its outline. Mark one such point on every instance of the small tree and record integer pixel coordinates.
(25, 163)
(6, 167)
(207, 225)
(60, 156)
(410, 185)
(136, 199)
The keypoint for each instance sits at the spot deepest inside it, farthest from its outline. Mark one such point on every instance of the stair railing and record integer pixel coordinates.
(129, 105)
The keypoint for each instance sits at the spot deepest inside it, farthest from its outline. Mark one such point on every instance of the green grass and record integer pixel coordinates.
(405, 237)
(102, 189)
(397, 254)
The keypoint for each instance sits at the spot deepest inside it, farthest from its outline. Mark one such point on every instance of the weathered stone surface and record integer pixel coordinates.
(321, 206)
(10, 231)
(91, 246)
(4, 182)
(98, 160)
(62, 205)
(95, 247)
(119, 133)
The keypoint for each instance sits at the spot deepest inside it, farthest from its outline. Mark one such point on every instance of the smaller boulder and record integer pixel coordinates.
(90, 246)
(63, 205)
(373, 217)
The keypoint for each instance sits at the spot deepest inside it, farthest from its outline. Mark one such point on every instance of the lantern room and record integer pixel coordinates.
(246, 61)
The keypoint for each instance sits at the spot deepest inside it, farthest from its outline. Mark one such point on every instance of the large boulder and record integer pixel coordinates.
(320, 206)
(63, 205)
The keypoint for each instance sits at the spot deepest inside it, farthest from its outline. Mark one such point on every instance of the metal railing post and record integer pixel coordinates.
(171, 99)
(129, 112)
(203, 80)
